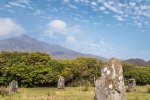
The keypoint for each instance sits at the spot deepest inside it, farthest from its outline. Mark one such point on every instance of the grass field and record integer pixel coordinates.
(69, 93)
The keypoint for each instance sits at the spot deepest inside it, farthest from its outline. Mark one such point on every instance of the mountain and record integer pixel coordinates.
(27, 44)
(137, 61)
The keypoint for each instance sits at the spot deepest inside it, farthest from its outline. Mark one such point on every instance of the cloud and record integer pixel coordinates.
(38, 12)
(102, 8)
(96, 47)
(146, 14)
(24, 1)
(15, 3)
(57, 25)
(114, 9)
(66, 1)
(119, 18)
(59, 28)
(73, 6)
(132, 4)
(19, 3)
(71, 39)
(8, 27)
(93, 3)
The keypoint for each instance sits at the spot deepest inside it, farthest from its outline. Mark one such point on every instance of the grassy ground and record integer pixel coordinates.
(70, 93)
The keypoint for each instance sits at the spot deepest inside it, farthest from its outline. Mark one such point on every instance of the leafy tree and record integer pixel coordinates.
(38, 69)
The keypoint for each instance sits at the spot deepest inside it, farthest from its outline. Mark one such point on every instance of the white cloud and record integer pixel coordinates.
(102, 8)
(57, 25)
(101, 1)
(8, 27)
(146, 14)
(25, 1)
(68, 34)
(124, 10)
(114, 9)
(132, 4)
(73, 6)
(59, 28)
(120, 18)
(74, 29)
(17, 4)
(66, 1)
(121, 4)
(105, 12)
(71, 39)
(38, 12)
(93, 3)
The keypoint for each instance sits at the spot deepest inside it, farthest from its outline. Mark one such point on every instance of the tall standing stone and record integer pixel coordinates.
(131, 85)
(110, 86)
(61, 83)
(13, 86)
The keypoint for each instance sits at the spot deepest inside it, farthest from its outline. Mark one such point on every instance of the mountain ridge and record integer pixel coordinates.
(25, 43)
(137, 61)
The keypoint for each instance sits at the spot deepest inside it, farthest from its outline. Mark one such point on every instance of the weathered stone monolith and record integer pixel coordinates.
(110, 86)
(131, 85)
(13, 86)
(61, 83)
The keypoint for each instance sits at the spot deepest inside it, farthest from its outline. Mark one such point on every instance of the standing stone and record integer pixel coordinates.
(131, 85)
(13, 86)
(110, 86)
(61, 83)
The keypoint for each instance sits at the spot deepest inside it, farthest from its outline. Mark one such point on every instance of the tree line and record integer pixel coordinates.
(39, 69)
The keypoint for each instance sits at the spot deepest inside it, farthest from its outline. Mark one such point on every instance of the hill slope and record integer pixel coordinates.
(28, 44)
(137, 61)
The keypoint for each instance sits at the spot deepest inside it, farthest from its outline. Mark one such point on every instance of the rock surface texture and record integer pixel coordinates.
(61, 83)
(13, 86)
(131, 85)
(110, 86)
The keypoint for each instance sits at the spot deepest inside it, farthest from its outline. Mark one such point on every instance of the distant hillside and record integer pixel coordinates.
(137, 61)
(28, 44)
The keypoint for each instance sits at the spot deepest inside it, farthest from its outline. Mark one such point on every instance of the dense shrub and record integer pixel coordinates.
(38, 69)
(140, 73)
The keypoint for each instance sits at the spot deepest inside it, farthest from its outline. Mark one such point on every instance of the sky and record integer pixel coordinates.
(108, 28)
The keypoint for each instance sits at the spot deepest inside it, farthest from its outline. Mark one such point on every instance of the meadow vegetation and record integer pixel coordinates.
(69, 93)
(40, 71)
